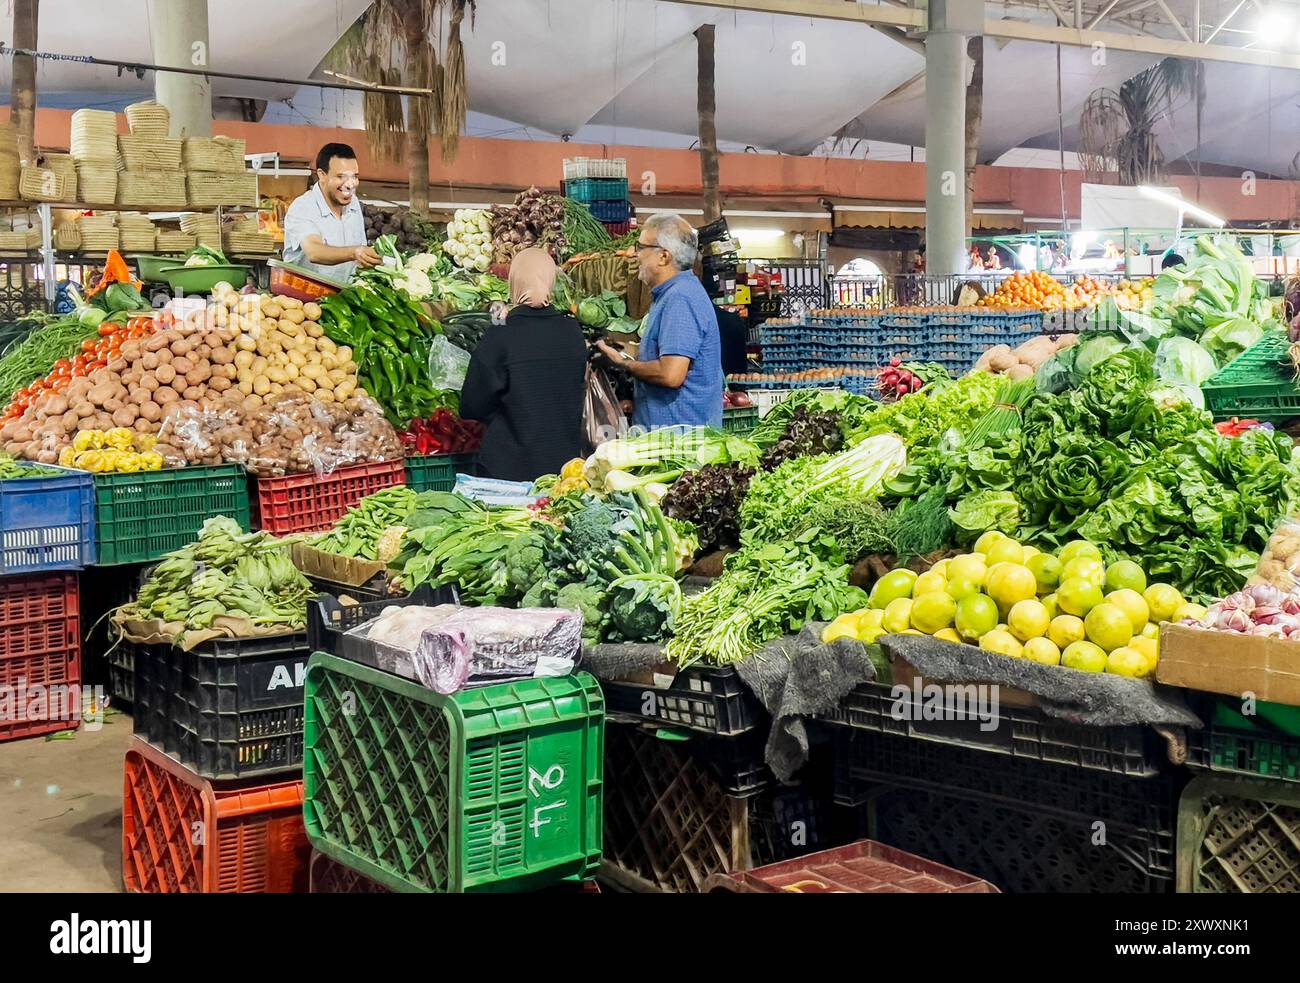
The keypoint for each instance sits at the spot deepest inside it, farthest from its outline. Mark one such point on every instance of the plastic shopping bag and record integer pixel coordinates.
(602, 417)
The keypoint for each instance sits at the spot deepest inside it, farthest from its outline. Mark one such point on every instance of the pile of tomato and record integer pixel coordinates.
(95, 354)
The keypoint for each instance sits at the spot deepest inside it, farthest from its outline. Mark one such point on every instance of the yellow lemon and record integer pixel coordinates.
(976, 615)
(1078, 596)
(1065, 630)
(1003, 643)
(871, 618)
(1046, 570)
(1050, 602)
(1108, 626)
(967, 567)
(911, 631)
(932, 611)
(1151, 630)
(986, 540)
(1126, 661)
(1163, 600)
(1133, 605)
(1010, 583)
(1085, 568)
(929, 582)
(1084, 656)
(845, 626)
(1042, 650)
(1028, 553)
(948, 635)
(1005, 551)
(962, 587)
(898, 614)
(1189, 610)
(941, 568)
(1150, 650)
(1125, 575)
(890, 587)
(868, 636)
(1080, 547)
(1028, 619)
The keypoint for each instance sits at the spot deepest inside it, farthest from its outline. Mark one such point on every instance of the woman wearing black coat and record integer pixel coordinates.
(526, 379)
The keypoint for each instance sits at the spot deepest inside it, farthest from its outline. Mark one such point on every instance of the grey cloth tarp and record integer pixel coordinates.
(1095, 698)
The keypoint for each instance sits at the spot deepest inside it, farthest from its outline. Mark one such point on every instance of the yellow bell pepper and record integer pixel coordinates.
(120, 438)
(91, 461)
(88, 440)
(151, 460)
(128, 462)
(145, 442)
(67, 456)
(573, 468)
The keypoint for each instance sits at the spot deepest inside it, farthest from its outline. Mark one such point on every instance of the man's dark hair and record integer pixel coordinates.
(1171, 259)
(331, 150)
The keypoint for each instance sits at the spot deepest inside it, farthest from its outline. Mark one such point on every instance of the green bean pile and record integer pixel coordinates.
(35, 355)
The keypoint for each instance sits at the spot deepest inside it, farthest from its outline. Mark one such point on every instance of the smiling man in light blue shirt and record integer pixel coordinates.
(324, 229)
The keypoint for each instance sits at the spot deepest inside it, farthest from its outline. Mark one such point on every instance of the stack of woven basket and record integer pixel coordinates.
(98, 233)
(150, 160)
(9, 167)
(203, 226)
(94, 151)
(215, 173)
(137, 232)
(246, 238)
(21, 240)
(171, 241)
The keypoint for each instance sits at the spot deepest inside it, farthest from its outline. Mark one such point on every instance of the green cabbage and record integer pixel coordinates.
(1181, 361)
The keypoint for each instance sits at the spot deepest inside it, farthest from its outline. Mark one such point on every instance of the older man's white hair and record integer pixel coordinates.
(675, 235)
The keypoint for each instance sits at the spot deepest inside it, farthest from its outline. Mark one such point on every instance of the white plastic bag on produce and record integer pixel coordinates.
(1279, 564)
(447, 364)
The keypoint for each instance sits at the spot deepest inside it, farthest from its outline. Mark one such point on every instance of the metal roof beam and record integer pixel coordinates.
(859, 13)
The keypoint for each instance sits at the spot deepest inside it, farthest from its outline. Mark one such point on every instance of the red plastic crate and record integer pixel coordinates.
(864, 867)
(312, 502)
(182, 835)
(616, 229)
(40, 646)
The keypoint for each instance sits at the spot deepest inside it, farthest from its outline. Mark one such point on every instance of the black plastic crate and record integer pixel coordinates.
(786, 824)
(709, 700)
(329, 620)
(121, 673)
(229, 708)
(737, 761)
(1020, 732)
(1255, 754)
(1022, 825)
(376, 589)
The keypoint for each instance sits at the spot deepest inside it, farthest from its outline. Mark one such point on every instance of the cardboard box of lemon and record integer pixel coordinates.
(1066, 609)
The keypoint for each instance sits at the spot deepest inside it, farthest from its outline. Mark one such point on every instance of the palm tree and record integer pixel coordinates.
(399, 32)
(22, 98)
(1123, 123)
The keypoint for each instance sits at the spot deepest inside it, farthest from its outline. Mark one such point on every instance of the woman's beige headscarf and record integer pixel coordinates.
(532, 277)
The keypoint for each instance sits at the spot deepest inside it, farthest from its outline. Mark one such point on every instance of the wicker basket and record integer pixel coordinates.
(151, 188)
(40, 184)
(97, 183)
(64, 166)
(8, 138)
(67, 238)
(170, 241)
(140, 153)
(100, 242)
(9, 171)
(207, 188)
(94, 136)
(137, 232)
(250, 243)
(148, 119)
(223, 154)
(16, 242)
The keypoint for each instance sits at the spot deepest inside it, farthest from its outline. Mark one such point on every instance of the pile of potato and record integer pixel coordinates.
(1279, 564)
(281, 347)
(1024, 361)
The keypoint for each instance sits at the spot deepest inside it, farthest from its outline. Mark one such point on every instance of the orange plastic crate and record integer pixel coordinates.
(182, 834)
(40, 649)
(311, 502)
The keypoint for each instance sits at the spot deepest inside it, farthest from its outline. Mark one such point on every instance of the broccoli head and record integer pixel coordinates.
(587, 599)
(526, 558)
(643, 608)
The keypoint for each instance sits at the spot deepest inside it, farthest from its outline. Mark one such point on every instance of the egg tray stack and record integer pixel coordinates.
(203, 226)
(171, 241)
(98, 233)
(136, 231)
(9, 165)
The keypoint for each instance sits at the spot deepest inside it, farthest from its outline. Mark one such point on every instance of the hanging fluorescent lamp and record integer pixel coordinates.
(1184, 206)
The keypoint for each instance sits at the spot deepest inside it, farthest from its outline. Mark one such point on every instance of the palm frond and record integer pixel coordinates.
(454, 97)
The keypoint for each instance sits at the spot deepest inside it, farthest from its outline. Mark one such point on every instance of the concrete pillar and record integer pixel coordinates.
(179, 29)
(951, 23)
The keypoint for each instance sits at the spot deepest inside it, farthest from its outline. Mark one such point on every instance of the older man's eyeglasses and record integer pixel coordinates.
(647, 245)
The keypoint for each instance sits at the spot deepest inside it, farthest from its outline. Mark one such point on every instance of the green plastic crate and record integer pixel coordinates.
(1238, 836)
(435, 472)
(739, 419)
(1258, 384)
(142, 516)
(496, 788)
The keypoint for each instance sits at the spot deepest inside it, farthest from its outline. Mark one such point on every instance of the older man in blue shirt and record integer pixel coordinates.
(324, 229)
(679, 378)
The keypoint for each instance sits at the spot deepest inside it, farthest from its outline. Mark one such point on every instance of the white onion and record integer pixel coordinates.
(1234, 620)
(1238, 601)
(1265, 594)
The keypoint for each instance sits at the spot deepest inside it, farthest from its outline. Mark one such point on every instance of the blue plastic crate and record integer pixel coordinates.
(611, 211)
(47, 523)
(596, 189)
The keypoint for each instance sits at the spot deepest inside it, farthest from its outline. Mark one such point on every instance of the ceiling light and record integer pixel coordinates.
(1273, 23)
(1185, 206)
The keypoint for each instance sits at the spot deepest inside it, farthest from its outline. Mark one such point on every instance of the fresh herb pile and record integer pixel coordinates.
(807, 434)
